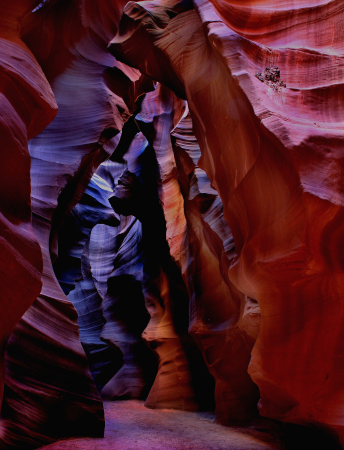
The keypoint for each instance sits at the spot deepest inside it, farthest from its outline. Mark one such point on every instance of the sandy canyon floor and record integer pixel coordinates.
(131, 426)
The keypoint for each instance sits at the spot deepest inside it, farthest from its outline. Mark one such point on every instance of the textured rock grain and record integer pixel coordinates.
(274, 157)
(224, 322)
(263, 81)
(50, 393)
(27, 105)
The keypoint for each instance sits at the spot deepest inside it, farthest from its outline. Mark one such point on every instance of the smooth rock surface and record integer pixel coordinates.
(128, 282)
(223, 321)
(183, 381)
(273, 154)
(27, 106)
(49, 389)
(233, 241)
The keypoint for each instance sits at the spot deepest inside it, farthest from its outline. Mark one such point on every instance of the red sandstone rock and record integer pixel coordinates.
(149, 190)
(27, 105)
(273, 154)
(160, 113)
(173, 387)
(115, 274)
(263, 82)
(49, 389)
(223, 321)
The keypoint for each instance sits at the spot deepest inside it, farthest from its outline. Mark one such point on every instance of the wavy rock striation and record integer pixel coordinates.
(263, 82)
(27, 106)
(100, 264)
(273, 155)
(73, 270)
(116, 273)
(182, 381)
(223, 321)
(49, 390)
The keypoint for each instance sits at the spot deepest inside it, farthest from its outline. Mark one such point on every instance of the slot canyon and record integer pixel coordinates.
(172, 250)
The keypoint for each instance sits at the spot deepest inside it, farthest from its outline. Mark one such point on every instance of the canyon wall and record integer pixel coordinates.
(49, 390)
(262, 81)
(27, 106)
(132, 292)
(201, 264)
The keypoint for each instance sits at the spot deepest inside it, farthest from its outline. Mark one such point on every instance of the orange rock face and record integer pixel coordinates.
(223, 321)
(262, 88)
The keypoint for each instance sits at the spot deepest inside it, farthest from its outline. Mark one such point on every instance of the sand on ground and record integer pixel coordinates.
(131, 426)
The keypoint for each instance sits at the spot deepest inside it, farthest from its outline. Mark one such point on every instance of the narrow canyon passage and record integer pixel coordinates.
(171, 224)
(131, 426)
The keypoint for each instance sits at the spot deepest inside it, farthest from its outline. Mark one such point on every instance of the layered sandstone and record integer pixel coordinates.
(115, 273)
(100, 265)
(164, 223)
(49, 389)
(223, 321)
(148, 189)
(27, 106)
(262, 81)
(227, 221)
